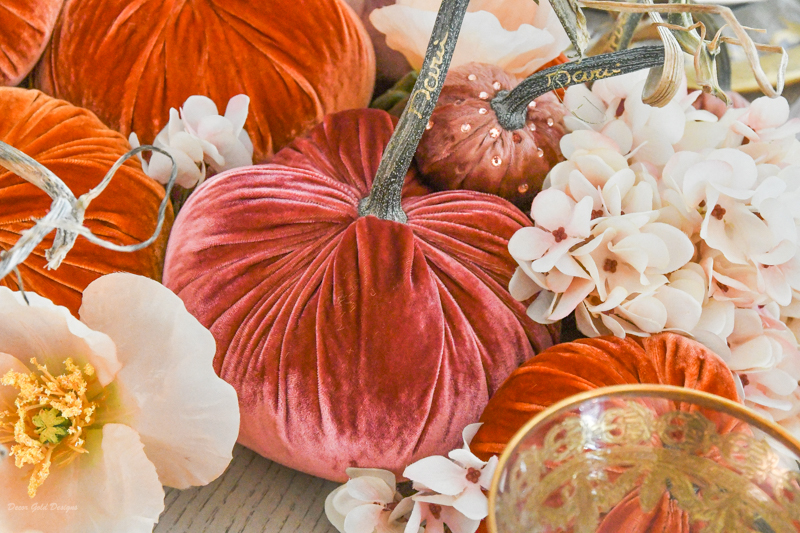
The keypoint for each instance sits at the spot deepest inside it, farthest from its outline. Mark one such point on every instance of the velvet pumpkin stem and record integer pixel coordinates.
(511, 107)
(384, 198)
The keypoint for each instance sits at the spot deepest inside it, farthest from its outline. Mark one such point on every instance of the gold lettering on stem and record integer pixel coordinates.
(431, 80)
(562, 78)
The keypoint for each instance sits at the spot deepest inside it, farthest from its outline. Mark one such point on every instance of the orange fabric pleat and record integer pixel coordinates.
(79, 149)
(130, 62)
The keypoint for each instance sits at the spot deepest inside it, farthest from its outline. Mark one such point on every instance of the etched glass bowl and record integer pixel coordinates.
(647, 458)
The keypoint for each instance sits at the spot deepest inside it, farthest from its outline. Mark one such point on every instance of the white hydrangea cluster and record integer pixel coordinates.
(447, 492)
(673, 219)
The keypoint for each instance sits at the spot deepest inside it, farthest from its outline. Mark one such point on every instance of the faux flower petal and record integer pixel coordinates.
(370, 489)
(521, 286)
(236, 111)
(51, 334)
(334, 516)
(113, 488)
(189, 427)
(472, 503)
(363, 518)
(529, 244)
(439, 474)
(194, 109)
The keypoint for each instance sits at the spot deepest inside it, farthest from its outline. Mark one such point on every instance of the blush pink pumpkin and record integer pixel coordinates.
(352, 341)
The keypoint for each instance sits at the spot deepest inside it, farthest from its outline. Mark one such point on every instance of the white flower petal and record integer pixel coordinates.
(370, 489)
(776, 380)
(236, 111)
(552, 209)
(160, 169)
(114, 488)
(529, 244)
(542, 307)
(620, 133)
(403, 508)
(585, 105)
(51, 334)
(521, 286)
(680, 247)
(683, 311)
(756, 353)
(335, 517)
(472, 503)
(195, 109)
(379, 473)
(439, 474)
(363, 518)
(414, 519)
(457, 522)
(569, 300)
(487, 473)
(190, 427)
(466, 458)
(765, 112)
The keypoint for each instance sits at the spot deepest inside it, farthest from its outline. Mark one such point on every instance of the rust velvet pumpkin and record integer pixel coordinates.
(466, 147)
(586, 364)
(79, 149)
(26, 28)
(130, 62)
(351, 340)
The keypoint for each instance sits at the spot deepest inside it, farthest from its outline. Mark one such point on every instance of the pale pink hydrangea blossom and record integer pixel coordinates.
(693, 228)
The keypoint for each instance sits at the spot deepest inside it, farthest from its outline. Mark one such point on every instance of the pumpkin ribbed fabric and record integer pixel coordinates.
(467, 148)
(352, 341)
(130, 62)
(587, 364)
(79, 149)
(25, 28)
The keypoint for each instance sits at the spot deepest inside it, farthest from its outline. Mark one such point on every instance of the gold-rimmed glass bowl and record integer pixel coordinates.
(646, 458)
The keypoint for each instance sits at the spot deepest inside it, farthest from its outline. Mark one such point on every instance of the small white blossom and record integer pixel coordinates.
(368, 503)
(198, 138)
(463, 476)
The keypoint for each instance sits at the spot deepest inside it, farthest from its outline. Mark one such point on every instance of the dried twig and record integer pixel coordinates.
(743, 40)
(66, 211)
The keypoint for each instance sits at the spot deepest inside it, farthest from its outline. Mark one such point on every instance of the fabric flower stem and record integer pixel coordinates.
(384, 198)
(512, 106)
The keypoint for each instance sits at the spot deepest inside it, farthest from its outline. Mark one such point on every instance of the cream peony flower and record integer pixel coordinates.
(199, 138)
(516, 35)
(99, 413)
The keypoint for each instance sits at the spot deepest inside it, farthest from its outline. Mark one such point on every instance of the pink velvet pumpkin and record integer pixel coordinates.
(352, 341)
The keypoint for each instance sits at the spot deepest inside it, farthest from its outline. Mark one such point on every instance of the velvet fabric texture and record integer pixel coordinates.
(586, 364)
(352, 341)
(79, 149)
(25, 28)
(131, 62)
(465, 147)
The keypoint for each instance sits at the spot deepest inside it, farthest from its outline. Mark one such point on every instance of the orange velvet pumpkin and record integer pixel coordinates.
(26, 27)
(79, 149)
(131, 62)
(574, 367)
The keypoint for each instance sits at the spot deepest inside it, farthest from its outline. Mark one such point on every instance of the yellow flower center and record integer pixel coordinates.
(50, 414)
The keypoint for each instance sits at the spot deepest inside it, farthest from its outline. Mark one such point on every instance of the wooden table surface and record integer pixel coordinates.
(256, 495)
